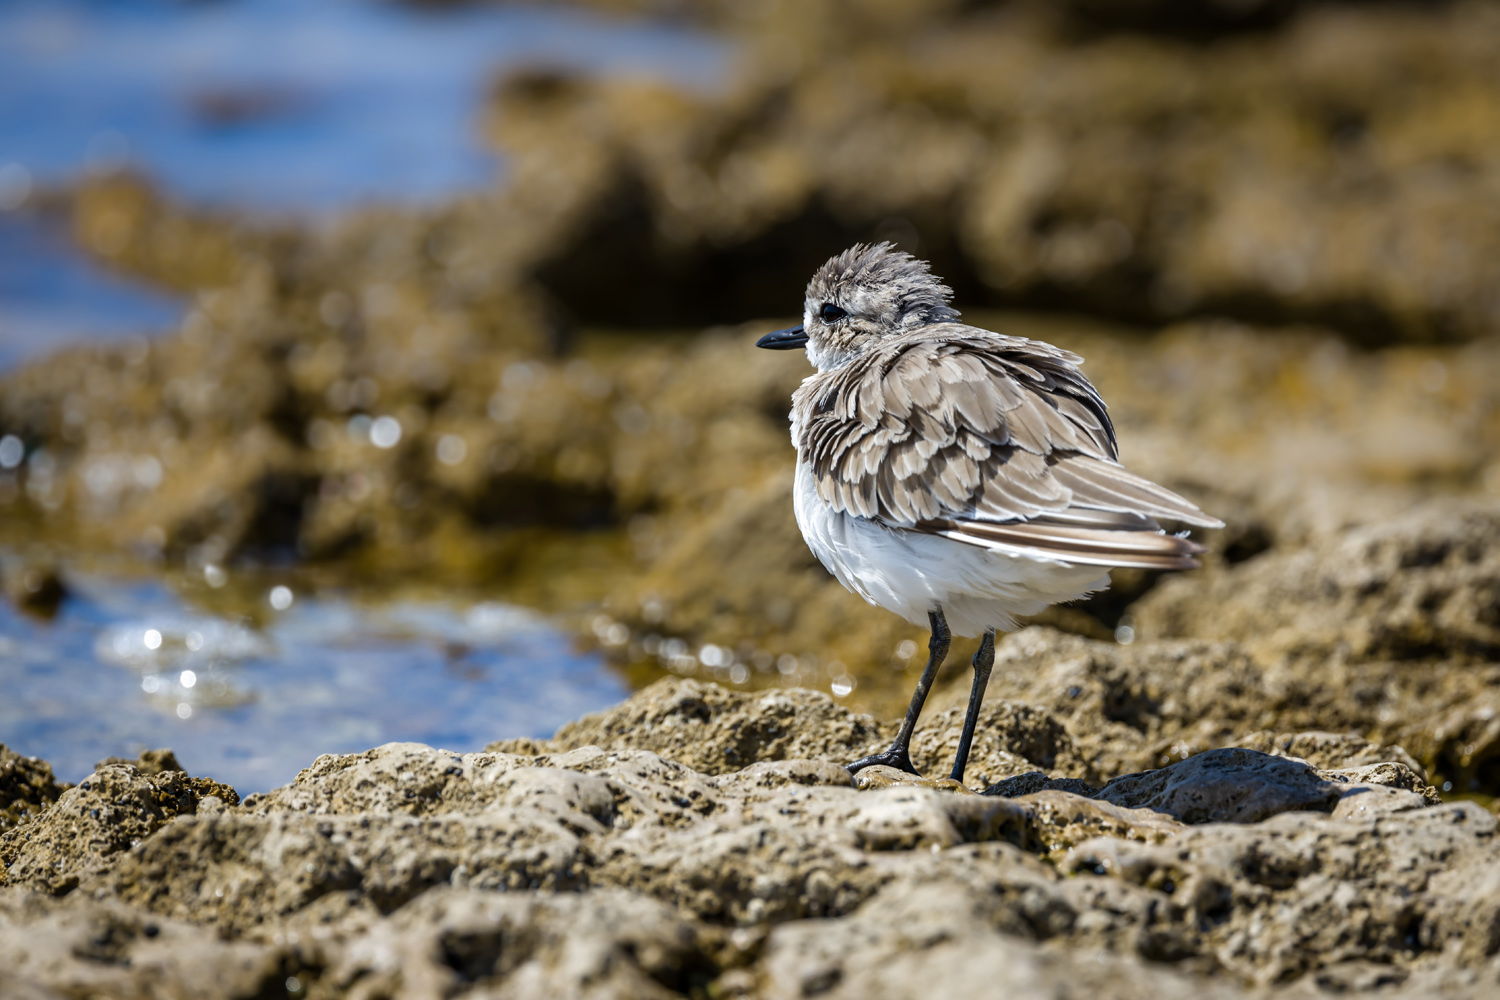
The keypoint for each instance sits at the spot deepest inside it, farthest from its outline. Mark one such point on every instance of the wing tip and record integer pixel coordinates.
(1115, 549)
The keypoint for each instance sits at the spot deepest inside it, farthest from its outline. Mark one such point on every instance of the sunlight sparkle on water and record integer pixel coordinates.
(252, 706)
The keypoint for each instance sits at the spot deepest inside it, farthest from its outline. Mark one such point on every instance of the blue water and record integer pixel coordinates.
(302, 108)
(292, 107)
(128, 664)
(51, 295)
(303, 105)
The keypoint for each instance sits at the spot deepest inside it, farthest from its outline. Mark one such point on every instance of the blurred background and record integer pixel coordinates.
(376, 370)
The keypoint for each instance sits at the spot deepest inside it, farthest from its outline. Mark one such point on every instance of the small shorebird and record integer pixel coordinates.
(954, 473)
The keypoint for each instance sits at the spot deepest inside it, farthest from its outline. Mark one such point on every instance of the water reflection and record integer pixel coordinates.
(127, 665)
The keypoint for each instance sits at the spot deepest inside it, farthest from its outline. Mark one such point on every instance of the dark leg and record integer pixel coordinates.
(899, 755)
(984, 661)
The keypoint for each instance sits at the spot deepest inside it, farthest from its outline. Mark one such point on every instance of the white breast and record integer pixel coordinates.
(912, 572)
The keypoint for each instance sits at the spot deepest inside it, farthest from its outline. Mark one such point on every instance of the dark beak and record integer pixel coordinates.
(784, 340)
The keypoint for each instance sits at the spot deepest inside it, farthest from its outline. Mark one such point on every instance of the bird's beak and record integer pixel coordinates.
(784, 340)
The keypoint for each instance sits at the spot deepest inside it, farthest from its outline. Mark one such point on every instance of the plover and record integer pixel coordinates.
(955, 474)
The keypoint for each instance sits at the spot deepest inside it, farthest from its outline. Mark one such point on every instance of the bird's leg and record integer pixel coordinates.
(984, 661)
(899, 755)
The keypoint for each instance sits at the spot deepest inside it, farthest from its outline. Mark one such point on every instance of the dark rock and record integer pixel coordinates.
(35, 587)
(1037, 781)
(1225, 786)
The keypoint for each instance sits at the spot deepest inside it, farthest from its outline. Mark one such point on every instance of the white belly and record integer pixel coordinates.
(911, 573)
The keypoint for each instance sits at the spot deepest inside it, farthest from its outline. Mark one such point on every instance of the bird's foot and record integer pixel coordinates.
(897, 757)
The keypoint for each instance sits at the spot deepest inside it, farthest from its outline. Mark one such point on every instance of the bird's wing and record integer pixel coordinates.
(997, 441)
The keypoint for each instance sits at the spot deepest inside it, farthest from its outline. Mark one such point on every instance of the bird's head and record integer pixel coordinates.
(861, 297)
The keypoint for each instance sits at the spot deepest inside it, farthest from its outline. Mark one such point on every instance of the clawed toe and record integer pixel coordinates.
(896, 757)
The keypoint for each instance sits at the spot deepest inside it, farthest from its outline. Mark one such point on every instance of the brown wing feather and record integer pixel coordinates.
(993, 440)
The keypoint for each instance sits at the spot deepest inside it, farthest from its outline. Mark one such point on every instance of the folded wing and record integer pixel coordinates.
(989, 440)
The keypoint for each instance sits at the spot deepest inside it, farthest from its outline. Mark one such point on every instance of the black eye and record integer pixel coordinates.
(831, 312)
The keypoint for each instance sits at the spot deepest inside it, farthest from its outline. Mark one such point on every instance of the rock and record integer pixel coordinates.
(1331, 750)
(95, 821)
(597, 944)
(1037, 781)
(715, 730)
(1156, 224)
(85, 947)
(1380, 790)
(939, 938)
(149, 762)
(1061, 820)
(1224, 786)
(909, 818)
(1300, 889)
(36, 588)
(597, 871)
(236, 872)
(27, 787)
(1415, 587)
(1009, 738)
(1148, 704)
(884, 776)
(1368, 801)
(769, 774)
(1388, 774)
(1129, 708)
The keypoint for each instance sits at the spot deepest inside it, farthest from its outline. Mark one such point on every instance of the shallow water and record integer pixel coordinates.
(290, 104)
(128, 664)
(50, 294)
(271, 106)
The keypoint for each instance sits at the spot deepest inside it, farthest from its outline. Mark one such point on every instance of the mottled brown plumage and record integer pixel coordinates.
(984, 438)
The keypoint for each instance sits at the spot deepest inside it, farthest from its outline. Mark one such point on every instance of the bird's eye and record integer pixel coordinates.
(831, 312)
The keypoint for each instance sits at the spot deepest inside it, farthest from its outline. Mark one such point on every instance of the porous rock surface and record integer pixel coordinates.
(583, 866)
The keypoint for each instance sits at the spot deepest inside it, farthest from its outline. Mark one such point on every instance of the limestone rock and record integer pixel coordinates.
(1061, 820)
(599, 944)
(1340, 890)
(27, 787)
(715, 730)
(939, 938)
(1010, 738)
(411, 871)
(1331, 750)
(149, 762)
(92, 823)
(1419, 586)
(85, 947)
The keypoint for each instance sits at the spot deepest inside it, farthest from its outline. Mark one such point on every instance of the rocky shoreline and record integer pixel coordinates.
(598, 865)
(1274, 228)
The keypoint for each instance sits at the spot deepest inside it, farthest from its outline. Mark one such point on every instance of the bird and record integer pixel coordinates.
(954, 474)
